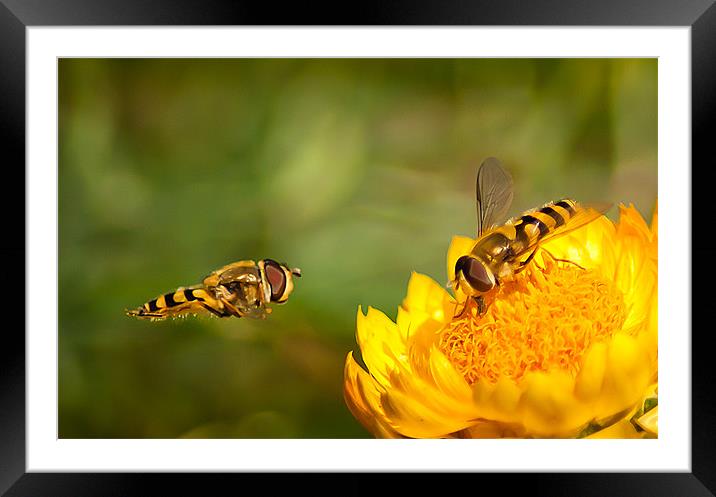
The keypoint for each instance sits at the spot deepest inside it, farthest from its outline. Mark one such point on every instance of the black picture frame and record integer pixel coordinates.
(17, 15)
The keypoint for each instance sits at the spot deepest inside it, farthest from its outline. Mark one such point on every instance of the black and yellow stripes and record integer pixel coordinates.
(180, 301)
(559, 212)
(556, 214)
(169, 300)
(568, 205)
(533, 226)
(552, 213)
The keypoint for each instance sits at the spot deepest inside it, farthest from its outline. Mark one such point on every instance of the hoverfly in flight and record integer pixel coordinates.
(501, 251)
(241, 289)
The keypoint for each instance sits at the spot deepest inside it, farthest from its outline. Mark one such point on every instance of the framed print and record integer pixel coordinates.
(425, 243)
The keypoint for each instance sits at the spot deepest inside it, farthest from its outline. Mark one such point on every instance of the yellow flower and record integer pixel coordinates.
(562, 351)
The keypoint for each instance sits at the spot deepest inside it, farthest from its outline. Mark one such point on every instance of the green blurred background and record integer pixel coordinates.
(358, 171)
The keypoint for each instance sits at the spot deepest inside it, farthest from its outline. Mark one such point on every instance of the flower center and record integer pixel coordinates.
(545, 318)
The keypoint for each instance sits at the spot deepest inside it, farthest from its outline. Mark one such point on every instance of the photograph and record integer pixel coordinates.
(356, 248)
(426, 246)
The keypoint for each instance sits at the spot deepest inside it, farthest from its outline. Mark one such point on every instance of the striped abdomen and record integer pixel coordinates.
(534, 226)
(181, 301)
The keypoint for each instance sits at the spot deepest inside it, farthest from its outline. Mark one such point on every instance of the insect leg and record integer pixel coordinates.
(479, 300)
(463, 311)
(481, 308)
(211, 309)
(142, 314)
(204, 298)
(232, 309)
(524, 263)
(563, 260)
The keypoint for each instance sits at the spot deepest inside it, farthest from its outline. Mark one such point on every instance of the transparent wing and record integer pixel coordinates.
(585, 214)
(243, 309)
(493, 193)
(242, 272)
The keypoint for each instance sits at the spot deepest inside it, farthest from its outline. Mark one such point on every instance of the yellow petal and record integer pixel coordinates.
(380, 342)
(627, 375)
(417, 326)
(427, 296)
(549, 403)
(591, 376)
(415, 419)
(635, 274)
(482, 392)
(649, 335)
(432, 382)
(446, 378)
(632, 224)
(362, 397)
(506, 397)
(353, 392)
(606, 265)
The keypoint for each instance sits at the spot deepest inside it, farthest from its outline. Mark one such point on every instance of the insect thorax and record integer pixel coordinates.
(492, 248)
(241, 293)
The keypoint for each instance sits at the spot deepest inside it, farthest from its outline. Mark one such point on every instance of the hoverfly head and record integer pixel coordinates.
(278, 280)
(473, 276)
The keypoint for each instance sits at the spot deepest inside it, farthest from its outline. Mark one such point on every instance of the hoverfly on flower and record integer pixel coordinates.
(502, 251)
(241, 289)
(566, 345)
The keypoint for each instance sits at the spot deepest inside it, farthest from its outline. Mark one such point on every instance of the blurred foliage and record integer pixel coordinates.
(358, 171)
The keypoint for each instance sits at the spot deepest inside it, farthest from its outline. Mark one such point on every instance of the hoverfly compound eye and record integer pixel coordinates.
(475, 273)
(276, 278)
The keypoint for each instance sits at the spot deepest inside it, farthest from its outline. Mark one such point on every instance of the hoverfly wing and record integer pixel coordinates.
(244, 271)
(493, 193)
(584, 214)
